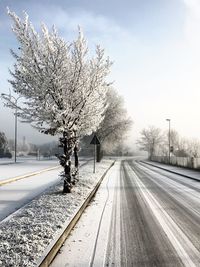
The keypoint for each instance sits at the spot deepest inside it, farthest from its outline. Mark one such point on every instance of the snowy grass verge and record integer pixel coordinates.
(25, 236)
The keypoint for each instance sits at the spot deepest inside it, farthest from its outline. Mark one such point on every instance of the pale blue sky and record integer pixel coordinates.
(155, 46)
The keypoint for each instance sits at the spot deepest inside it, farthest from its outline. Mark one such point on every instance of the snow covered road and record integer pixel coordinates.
(141, 216)
(8, 171)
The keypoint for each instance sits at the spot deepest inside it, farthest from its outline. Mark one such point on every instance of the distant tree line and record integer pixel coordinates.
(156, 143)
(112, 130)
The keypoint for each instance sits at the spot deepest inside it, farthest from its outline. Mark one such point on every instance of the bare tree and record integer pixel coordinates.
(64, 89)
(193, 148)
(174, 142)
(150, 139)
(182, 149)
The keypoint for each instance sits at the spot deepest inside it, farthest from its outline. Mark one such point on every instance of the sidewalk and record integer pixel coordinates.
(192, 174)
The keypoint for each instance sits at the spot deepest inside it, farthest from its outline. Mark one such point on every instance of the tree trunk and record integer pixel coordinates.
(76, 164)
(67, 178)
(76, 156)
(65, 160)
(70, 146)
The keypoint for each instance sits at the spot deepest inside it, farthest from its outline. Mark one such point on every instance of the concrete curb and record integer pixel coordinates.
(56, 244)
(178, 173)
(26, 175)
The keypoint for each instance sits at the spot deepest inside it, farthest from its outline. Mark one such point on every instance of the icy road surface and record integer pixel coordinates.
(16, 194)
(141, 216)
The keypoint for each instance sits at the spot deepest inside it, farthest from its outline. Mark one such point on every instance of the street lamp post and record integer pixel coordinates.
(8, 98)
(16, 132)
(169, 133)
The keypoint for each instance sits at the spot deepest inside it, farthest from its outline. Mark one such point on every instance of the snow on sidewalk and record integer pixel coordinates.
(26, 234)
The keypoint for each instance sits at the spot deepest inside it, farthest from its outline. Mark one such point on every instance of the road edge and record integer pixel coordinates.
(56, 244)
(178, 173)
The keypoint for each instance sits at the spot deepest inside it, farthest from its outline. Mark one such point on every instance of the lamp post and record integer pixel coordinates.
(8, 98)
(169, 138)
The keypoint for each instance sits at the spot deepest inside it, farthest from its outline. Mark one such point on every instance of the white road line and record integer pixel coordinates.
(183, 246)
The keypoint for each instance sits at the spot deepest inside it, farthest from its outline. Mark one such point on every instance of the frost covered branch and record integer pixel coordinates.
(63, 87)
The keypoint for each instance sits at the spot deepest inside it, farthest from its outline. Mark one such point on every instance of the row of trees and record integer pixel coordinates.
(115, 125)
(64, 90)
(4, 148)
(28, 149)
(156, 143)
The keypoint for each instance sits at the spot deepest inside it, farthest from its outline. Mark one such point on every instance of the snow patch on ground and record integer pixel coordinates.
(25, 235)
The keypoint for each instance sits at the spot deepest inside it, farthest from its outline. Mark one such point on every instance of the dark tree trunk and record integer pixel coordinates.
(67, 149)
(70, 145)
(65, 160)
(76, 156)
(67, 178)
(76, 164)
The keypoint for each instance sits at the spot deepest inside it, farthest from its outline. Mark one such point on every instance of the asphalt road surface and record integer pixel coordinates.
(141, 216)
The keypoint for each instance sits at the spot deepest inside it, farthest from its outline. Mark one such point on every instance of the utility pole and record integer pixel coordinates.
(169, 136)
(16, 134)
(8, 99)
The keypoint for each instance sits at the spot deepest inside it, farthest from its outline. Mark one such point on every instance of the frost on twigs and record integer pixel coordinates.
(64, 89)
(116, 123)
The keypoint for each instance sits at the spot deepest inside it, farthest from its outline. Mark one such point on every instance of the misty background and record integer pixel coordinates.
(154, 46)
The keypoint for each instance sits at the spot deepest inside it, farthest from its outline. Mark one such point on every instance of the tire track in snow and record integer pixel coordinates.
(187, 252)
(112, 256)
(143, 241)
(181, 202)
(92, 261)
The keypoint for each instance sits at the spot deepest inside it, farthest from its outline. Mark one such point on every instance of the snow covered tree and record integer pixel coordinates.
(193, 148)
(150, 139)
(4, 150)
(63, 87)
(115, 124)
(174, 143)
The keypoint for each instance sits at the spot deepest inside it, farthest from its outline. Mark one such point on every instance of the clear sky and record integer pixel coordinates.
(155, 46)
